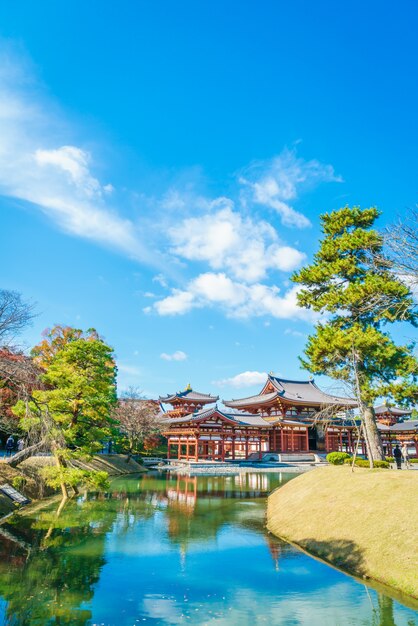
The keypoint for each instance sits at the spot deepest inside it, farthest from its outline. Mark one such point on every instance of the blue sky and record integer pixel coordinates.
(163, 166)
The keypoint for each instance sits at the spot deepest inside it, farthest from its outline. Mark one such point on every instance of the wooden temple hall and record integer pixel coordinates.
(281, 418)
(286, 416)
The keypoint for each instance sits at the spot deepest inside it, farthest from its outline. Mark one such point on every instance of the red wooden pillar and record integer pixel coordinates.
(350, 443)
(307, 439)
(223, 448)
(196, 450)
(246, 447)
(281, 440)
(168, 448)
(292, 440)
(187, 449)
(259, 447)
(233, 448)
(178, 449)
(274, 439)
(416, 447)
(326, 441)
(341, 440)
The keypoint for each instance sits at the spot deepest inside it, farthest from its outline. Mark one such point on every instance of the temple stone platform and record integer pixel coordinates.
(269, 462)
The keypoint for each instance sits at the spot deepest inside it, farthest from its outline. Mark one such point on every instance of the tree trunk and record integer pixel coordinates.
(373, 439)
(21, 456)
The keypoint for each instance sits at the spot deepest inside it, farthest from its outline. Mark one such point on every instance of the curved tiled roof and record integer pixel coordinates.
(264, 398)
(307, 392)
(299, 392)
(392, 410)
(242, 419)
(189, 395)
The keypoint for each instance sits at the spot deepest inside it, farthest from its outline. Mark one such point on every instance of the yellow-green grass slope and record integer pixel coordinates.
(364, 522)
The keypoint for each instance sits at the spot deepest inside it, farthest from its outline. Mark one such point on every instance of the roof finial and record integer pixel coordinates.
(271, 373)
(188, 388)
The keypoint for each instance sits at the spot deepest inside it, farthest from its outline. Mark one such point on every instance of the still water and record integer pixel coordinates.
(160, 549)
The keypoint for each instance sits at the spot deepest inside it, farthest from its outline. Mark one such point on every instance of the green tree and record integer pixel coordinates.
(73, 412)
(351, 285)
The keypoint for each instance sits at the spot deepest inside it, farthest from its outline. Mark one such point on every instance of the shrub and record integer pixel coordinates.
(19, 482)
(390, 459)
(366, 463)
(413, 460)
(337, 458)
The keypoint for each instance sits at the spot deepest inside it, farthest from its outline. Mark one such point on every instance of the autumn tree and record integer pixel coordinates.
(348, 274)
(73, 412)
(138, 419)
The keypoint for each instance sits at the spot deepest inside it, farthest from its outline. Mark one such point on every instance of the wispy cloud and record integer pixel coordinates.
(55, 177)
(130, 370)
(294, 333)
(279, 182)
(179, 355)
(244, 379)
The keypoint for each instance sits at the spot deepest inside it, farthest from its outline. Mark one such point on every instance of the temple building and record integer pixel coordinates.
(281, 418)
(286, 416)
(395, 426)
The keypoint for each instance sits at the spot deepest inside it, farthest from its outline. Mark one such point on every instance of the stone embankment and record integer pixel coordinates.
(364, 522)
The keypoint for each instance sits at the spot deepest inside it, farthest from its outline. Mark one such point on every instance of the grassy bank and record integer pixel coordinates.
(33, 486)
(364, 522)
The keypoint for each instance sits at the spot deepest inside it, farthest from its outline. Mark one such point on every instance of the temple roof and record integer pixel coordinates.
(384, 409)
(239, 418)
(295, 391)
(189, 395)
(408, 426)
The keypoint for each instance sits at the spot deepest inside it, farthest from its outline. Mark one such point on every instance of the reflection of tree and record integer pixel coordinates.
(59, 573)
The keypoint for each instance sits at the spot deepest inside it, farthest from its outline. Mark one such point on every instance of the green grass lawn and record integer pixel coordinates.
(365, 522)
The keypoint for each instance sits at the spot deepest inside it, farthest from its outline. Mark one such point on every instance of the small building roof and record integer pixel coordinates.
(189, 396)
(402, 427)
(295, 391)
(384, 409)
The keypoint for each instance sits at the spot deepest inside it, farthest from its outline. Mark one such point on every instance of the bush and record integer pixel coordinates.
(390, 459)
(366, 463)
(413, 460)
(19, 482)
(337, 458)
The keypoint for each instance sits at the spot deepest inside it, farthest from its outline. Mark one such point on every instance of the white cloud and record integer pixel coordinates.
(278, 182)
(35, 166)
(179, 355)
(228, 241)
(245, 379)
(234, 298)
(131, 370)
(294, 333)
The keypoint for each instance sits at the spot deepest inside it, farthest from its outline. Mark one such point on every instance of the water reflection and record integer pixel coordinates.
(165, 549)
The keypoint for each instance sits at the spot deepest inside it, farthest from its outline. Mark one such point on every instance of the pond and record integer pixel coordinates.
(163, 549)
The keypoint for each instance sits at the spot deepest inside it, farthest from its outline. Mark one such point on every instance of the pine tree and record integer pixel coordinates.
(351, 285)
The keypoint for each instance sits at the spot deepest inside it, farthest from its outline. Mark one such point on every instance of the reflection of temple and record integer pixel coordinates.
(280, 418)
(286, 416)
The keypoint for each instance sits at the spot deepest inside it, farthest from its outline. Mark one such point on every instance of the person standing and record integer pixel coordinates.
(398, 457)
(20, 445)
(10, 444)
(405, 455)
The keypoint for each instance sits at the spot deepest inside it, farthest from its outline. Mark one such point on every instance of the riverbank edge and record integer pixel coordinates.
(115, 465)
(363, 523)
